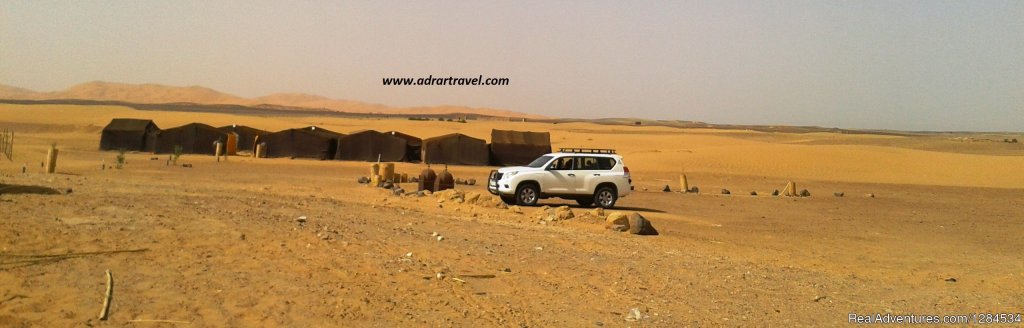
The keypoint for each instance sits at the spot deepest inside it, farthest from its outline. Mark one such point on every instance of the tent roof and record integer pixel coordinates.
(452, 135)
(195, 125)
(234, 127)
(128, 124)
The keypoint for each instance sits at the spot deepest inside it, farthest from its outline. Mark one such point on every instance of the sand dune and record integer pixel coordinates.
(160, 94)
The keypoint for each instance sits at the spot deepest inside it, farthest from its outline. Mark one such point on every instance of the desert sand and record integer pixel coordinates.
(224, 245)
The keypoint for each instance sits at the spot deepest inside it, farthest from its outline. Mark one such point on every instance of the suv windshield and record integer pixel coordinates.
(539, 162)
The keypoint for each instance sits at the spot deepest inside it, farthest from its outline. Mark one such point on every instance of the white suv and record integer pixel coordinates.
(589, 176)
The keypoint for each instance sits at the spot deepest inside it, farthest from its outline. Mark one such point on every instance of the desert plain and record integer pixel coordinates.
(221, 244)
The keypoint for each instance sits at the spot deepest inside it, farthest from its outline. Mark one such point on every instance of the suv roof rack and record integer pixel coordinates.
(587, 150)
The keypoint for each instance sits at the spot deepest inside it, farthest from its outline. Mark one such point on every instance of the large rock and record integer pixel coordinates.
(472, 197)
(598, 212)
(638, 225)
(515, 209)
(563, 213)
(617, 221)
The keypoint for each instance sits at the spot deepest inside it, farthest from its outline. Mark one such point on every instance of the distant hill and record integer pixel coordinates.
(161, 94)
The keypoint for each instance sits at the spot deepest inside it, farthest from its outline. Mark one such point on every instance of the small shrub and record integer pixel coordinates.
(120, 159)
(177, 153)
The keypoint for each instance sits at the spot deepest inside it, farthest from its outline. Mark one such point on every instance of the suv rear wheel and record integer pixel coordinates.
(527, 194)
(605, 197)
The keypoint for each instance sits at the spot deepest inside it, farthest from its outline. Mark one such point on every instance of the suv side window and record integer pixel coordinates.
(605, 163)
(561, 164)
(587, 163)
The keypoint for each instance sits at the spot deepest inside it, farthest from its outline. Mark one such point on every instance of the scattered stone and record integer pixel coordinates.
(638, 225)
(839, 194)
(420, 193)
(753, 193)
(440, 276)
(186, 165)
(460, 181)
(805, 193)
(869, 195)
(563, 213)
(666, 189)
(617, 221)
(472, 197)
(471, 182)
(427, 192)
(598, 212)
(819, 298)
(409, 254)
(515, 209)
(506, 270)
(68, 191)
(950, 279)
(775, 193)
(398, 191)
(241, 236)
(364, 180)
(695, 190)
(635, 315)
(301, 219)
(434, 234)
(440, 238)
(726, 192)
(387, 185)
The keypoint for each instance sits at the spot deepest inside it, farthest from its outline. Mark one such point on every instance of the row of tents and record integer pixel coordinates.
(506, 147)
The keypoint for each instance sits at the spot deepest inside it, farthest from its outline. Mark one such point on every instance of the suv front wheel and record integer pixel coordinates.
(527, 194)
(605, 197)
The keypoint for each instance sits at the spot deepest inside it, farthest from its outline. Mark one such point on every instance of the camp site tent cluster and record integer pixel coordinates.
(506, 148)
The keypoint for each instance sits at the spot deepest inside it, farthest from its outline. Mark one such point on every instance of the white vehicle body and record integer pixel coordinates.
(567, 174)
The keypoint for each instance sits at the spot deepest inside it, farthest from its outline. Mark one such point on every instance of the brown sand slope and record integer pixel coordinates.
(162, 94)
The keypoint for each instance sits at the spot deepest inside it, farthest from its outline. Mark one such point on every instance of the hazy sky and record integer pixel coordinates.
(912, 65)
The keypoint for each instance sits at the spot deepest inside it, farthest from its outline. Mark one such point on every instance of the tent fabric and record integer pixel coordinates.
(129, 134)
(308, 142)
(367, 145)
(455, 148)
(413, 145)
(194, 138)
(246, 135)
(518, 147)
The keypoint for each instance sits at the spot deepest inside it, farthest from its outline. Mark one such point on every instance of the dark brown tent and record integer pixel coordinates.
(246, 135)
(413, 145)
(518, 147)
(129, 134)
(370, 145)
(455, 148)
(308, 142)
(194, 138)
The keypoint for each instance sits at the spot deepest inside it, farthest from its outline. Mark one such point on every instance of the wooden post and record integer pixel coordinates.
(683, 184)
(51, 159)
(219, 151)
(790, 189)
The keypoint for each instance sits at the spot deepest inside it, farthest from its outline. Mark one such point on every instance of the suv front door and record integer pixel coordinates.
(561, 179)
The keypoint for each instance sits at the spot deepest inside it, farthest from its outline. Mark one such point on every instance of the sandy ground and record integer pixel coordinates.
(224, 247)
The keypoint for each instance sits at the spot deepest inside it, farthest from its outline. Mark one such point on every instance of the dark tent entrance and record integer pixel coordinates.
(308, 142)
(194, 138)
(455, 148)
(246, 135)
(518, 147)
(129, 134)
(413, 145)
(371, 146)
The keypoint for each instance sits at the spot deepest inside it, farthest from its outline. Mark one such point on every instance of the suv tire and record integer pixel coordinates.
(527, 194)
(509, 200)
(605, 197)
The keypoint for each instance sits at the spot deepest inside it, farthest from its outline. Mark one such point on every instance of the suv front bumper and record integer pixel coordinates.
(497, 186)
